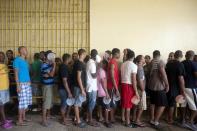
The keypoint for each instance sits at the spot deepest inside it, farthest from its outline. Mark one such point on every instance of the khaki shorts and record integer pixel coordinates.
(142, 104)
(47, 96)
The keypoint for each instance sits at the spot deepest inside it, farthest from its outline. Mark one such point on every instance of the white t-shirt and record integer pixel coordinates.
(91, 82)
(127, 68)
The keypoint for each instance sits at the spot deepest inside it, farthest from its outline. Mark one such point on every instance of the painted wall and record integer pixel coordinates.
(143, 25)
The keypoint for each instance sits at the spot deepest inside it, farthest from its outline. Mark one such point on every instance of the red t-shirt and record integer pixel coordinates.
(116, 73)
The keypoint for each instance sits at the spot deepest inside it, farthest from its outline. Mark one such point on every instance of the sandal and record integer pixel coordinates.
(7, 126)
(66, 123)
(27, 120)
(113, 121)
(101, 120)
(46, 124)
(81, 125)
(21, 124)
(141, 124)
(94, 124)
(123, 122)
(131, 125)
(108, 124)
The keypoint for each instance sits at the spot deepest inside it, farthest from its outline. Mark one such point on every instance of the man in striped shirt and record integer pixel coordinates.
(47, 74)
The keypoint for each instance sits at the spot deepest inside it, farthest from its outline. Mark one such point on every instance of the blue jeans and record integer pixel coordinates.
(91, 100)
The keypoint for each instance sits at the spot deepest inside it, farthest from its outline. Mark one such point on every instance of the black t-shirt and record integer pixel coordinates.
(11, 70)
(79, 66)
(174, 69)
(63, 73)
(190, 69)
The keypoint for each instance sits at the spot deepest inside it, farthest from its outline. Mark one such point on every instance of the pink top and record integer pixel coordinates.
(100, 76)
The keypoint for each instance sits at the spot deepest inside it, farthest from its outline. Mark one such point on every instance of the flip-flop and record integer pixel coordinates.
(131, 125)
(27, 120)
(123, 122)
(22, 124)
(113, 122)
(102, 120)
(140, 125)
(66, 124)
(46, 124)
(94, 124)
(81, 125)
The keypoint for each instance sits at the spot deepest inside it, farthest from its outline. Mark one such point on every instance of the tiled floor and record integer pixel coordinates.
(56, 126)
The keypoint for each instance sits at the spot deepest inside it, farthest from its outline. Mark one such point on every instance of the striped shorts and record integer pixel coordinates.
(25, 96)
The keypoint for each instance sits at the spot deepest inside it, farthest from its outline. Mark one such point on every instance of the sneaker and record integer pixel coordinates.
(7, 126)
(191, 126)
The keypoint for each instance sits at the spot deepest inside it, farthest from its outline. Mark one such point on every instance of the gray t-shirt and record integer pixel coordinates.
(156, 82)
(140, 75)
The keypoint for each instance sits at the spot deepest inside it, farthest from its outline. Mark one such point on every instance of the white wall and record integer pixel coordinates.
(143, 25)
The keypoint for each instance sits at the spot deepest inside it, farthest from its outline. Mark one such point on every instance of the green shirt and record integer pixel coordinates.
(36, 71)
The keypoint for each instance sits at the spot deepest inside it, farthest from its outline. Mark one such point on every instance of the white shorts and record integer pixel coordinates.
(142, 104)
(191, 99)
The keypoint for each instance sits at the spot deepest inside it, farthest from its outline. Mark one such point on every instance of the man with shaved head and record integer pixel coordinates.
(190, 89)
(22, 77)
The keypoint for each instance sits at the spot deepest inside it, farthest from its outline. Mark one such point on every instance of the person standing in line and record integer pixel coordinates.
(47, 74)
(158, 85)
(190, 90)
(79, 84)
(141, 84)
(147, 72)
(10, 57)
(102, 88)
(4, 92)
(91, 88)
(175, 72)
(64, 86)
(128, 86)
(23, 82)
(113, 86)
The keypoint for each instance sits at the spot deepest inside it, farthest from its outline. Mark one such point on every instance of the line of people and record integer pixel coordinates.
(89, 80)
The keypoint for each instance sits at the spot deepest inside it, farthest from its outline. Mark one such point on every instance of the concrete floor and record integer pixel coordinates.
(56, 126)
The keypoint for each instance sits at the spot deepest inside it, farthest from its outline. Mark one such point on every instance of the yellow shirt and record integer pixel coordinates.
(4, 80)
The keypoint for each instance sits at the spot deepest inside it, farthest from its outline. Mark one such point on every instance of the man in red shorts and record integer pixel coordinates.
(129, 88)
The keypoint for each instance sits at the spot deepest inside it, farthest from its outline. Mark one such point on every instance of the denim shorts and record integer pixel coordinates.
(112, 104)
(77, 92)
(63, 97)
(4, 97)
(91, 100)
